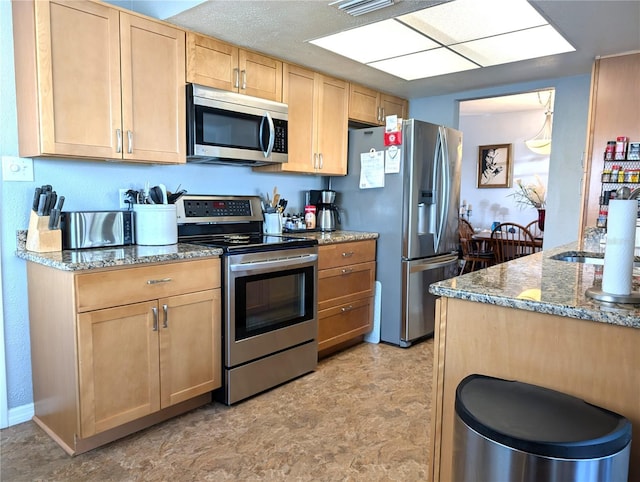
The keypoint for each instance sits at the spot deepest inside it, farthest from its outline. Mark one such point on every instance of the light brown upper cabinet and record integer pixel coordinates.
(96, 82)
(318, 120)
(217, 64)
(371, 107)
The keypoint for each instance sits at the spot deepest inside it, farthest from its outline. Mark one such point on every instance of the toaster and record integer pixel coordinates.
(96, 229)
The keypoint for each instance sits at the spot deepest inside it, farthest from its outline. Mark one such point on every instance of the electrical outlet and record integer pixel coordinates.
(122, 196)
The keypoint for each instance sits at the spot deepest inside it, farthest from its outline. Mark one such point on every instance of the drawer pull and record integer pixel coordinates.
(346, 308)
(347, 255)
(165, 308)
(156, 281)
(155, 318)
(347, 270)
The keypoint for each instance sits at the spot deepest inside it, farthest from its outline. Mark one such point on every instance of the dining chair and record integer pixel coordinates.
(472, 251)
(511, 241)
(534, 229)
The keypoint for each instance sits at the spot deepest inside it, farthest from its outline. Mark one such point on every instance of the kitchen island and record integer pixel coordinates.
(529, 320)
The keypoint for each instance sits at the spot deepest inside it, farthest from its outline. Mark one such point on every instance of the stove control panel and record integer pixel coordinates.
(218, 209)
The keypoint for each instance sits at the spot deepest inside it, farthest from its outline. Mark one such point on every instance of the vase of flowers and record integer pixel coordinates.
(532, 195)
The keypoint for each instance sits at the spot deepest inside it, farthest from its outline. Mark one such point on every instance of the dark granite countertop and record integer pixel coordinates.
(86, 259)
(333, 237)
(545, 285)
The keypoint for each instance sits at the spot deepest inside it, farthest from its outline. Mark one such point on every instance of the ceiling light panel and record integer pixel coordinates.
(515, 46)
(376, 41)
(424, 64)
(463, 20)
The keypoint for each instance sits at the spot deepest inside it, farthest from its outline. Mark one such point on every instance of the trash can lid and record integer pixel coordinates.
(538, 420)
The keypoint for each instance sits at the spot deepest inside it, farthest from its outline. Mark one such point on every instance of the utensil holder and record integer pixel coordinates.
(40, 238)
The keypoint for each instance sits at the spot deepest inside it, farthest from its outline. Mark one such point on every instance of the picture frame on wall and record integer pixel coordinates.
(495, 167)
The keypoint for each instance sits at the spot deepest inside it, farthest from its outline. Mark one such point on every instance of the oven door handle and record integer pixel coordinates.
(275, 263)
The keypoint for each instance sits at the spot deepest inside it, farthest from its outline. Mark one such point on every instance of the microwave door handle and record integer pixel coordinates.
(272, 134)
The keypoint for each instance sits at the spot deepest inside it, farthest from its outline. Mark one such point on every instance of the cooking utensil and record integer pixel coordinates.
(174, 196)
(155, 194)
(163, 189)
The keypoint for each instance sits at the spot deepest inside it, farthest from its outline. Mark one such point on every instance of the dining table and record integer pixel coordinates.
(484, 236)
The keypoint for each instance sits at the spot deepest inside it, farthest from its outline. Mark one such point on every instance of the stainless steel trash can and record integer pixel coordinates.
(509, 431)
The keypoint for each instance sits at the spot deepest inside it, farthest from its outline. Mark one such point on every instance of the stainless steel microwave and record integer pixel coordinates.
(230, 128)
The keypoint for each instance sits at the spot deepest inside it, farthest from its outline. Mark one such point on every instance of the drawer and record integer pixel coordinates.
(345, 322)
(130, 285)
(348, 283)
(342, 254)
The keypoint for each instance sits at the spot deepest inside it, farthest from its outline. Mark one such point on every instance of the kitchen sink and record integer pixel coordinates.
(582, 257)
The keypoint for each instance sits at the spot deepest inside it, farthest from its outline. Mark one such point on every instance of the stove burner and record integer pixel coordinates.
(237, 238)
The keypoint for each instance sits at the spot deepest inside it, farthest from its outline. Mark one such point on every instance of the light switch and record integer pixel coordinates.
(17, 169)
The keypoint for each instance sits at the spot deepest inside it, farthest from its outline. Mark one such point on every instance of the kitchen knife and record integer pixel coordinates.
(36, 199)
(42, 204)
(54, 219)
(51, 202)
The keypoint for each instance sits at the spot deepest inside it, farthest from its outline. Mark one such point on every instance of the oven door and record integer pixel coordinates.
(270, 303)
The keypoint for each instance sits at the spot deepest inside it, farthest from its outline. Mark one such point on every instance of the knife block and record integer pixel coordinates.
(40, 238)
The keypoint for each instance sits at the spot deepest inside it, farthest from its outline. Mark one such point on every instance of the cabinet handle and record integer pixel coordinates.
(130, 142)
(315, 160)
(156, 281)
(165, 309)
(321, 160)
(347, 254)
(236, 82)
(381, 114)
(347, 270)
(155, 318)
(344, 309)
(244, 80)
(119, 141)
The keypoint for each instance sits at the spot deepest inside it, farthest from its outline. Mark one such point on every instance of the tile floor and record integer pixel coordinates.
(363, 415)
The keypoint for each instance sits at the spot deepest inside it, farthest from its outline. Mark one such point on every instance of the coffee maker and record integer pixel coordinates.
(327, 215)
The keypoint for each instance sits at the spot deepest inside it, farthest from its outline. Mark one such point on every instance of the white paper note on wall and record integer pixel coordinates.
(371, 169)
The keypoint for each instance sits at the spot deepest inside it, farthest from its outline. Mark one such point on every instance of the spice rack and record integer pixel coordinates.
(621, 168)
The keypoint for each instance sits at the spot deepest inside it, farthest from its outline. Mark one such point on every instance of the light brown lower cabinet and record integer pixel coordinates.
(596, 362)
(346, 277)
(118, 350)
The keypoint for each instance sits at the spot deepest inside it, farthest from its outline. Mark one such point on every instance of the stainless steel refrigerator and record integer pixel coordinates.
(415, 214)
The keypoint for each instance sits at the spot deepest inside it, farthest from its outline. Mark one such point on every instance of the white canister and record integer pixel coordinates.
(272, 223)
(155, 224)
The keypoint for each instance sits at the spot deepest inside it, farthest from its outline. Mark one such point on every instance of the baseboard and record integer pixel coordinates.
(20, 414)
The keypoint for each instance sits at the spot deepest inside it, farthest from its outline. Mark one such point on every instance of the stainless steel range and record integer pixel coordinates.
(269, 290)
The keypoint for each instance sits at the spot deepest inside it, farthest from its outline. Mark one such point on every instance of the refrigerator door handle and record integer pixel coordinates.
(432, 263)
(442, 175)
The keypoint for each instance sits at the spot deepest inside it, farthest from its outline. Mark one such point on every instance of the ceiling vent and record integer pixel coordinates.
(360, 7)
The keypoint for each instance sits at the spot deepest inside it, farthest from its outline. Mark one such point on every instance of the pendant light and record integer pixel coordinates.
(541, 142)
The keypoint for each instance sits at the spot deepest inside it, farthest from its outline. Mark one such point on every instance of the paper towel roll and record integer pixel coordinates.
(619, 251)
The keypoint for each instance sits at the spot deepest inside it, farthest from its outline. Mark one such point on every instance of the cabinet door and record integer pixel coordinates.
(364, 104)
(345, 322)
(153, 91)
(212, 63)
(332, 125)
(393, 106)
(299, 95)
(77, 76)
(260, 76)
(345, 284)
(118, 366)
(190, 344)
